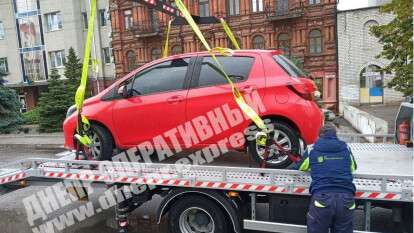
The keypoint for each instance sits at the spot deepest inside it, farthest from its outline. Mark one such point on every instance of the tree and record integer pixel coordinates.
(73, 66)
(10, 116)
(397, 41)
(54, 103)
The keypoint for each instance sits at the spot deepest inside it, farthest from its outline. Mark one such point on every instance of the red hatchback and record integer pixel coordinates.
(184, 102)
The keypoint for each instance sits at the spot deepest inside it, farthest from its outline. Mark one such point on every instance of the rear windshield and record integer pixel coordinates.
(288, 66)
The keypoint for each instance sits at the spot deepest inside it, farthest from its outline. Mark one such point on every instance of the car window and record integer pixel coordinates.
(237, 68)
(166, 76)
(288, 66)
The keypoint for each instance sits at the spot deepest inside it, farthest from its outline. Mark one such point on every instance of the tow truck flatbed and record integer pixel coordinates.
(384, 175)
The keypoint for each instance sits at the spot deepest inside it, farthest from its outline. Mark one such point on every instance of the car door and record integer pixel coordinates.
(209, 90)
(156, 104)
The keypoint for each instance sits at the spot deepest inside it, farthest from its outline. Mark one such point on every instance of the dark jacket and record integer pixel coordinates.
(331, 164)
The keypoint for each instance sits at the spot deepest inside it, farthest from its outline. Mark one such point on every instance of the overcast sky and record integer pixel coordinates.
(355, 4)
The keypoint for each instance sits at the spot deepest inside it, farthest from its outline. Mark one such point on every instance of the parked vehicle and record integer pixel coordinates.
(168, 92)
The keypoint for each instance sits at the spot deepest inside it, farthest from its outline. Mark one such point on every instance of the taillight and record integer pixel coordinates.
(302, 91)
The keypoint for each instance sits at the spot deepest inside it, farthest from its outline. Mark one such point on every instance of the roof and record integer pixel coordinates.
(347, 5)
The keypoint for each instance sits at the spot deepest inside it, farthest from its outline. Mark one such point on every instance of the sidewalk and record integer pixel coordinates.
(385, 112)
(52, 141)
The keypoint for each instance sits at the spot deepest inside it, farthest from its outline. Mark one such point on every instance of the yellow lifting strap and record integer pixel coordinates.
(229, 33)
(167, 40)
(80, 92)
(236, 93)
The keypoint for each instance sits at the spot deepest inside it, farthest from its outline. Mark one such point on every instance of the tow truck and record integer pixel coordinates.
(219, 199)
(222, 199)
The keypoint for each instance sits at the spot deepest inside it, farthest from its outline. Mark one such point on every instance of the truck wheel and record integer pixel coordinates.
(197, 214)
(287, 137)
(102, 143)
(407, 217)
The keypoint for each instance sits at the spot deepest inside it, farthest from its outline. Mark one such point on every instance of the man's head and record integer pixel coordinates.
(328, 129)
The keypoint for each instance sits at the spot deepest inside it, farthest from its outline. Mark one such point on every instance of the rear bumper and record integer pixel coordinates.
(312, 123)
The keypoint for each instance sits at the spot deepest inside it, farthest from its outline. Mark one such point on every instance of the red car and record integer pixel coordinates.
(166, 95)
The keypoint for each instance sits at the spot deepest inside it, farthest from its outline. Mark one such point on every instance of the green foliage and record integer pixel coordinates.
(397, 41)
(73, 66)
(32, 117)
(10, 116)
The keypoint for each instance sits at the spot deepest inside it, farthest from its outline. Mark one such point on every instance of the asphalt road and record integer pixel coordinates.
(13, 216)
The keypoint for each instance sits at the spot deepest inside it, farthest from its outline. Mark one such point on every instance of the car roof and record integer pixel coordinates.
(235, 52)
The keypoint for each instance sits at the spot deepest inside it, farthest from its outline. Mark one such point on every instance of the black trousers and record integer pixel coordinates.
(331, 211)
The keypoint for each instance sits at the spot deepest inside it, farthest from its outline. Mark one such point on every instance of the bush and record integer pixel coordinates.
(32, 117)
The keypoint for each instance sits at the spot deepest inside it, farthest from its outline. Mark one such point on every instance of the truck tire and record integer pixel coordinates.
(102, 143)
(407, 218)
(282, 133)
(196, 214)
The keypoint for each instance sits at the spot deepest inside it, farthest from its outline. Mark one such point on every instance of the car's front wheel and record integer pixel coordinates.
(285, 136)
(102, 143)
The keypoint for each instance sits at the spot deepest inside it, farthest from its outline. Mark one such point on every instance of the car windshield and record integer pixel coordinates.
(288, 66)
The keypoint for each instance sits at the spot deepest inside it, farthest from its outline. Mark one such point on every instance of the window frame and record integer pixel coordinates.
(129, 68)
(50, 21)
(201, 5)
(257, 6)
(130, 16)
(2, 31)
(279, 47)
(288, 66)
(195, 81)
(232, 9)
(55, 58)
(253, 41)
(311, 42)
(4, 59)
(158, 54)
(314, 2)
(106, 53)
(187, 77)
(103, 22)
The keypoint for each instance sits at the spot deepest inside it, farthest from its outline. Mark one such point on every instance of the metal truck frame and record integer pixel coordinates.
(235, 191)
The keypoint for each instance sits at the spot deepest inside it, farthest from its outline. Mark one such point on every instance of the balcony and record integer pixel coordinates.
(146, 29)
(283, 14)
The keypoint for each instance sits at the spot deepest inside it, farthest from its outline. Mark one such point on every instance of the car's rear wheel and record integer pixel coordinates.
(102, 143)
(285, 136)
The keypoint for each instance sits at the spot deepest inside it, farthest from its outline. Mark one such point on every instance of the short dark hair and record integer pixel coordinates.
(327, 128)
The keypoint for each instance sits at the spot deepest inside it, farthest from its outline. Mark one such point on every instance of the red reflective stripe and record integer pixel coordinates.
(390, 196)
(373, 195)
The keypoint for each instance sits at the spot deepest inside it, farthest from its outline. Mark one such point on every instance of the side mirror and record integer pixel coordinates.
(123, 91)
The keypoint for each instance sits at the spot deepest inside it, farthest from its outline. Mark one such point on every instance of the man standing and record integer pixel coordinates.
(331, 164)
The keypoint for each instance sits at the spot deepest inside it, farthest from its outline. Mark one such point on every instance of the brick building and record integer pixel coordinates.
(361, 80)
(303, 29)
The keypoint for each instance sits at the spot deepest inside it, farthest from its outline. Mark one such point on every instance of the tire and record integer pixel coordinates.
(197, 213)
(103, 151)
(407, 218)
(284, 131)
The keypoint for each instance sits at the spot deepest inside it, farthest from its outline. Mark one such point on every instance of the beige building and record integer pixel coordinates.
(35, 36)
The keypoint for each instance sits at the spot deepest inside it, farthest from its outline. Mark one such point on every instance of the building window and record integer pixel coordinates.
(282, 7)
(258, 42)
(369, 40)
(371, 84)
(314, 2)
(283, 43)
(131, 60)
(57, 58)
(315, 42)
(102, 17)
(203, 4)
(85, 20)
(234, 7)
(23, 105)
(106, 55)
(54, 21)
(2, 32)
(155, 54)
(128, 20)
(257, 5)
(4, 67)
(177, 50)
(230, 44)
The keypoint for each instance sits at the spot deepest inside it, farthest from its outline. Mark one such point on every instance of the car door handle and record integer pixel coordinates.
(175, 99)
(247, 89)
